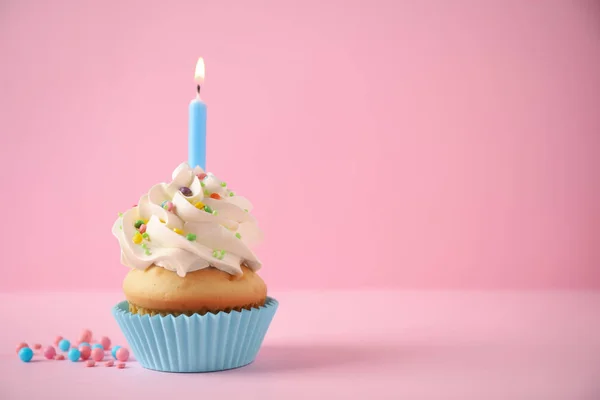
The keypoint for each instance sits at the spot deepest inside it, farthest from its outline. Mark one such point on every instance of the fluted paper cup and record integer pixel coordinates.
(198, 343)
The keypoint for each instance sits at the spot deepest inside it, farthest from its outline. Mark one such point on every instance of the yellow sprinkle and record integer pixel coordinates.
(137, 238)
(162, 220)
(199, 205)
(177, 230)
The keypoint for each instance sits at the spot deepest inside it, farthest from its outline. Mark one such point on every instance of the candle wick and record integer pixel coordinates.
(198, 89)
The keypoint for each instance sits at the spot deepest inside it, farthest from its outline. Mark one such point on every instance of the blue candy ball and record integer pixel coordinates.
(97, 346)
(84, 344)
(74, 354)
(64, 345)
(25, 354)
(114, 351)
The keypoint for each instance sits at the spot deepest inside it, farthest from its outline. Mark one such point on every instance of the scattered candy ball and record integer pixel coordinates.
(143, 229)
(138, 223)
(74, 354)
(191, 237)
(121, 365)
(37, 346)
(178, 231)
(97, 354)
(208, 209)
(186, 191)
(20, 346)
(201, 176)
(64, 345)
(114, 351)
(86, 352)
(59, 357)
(49, 352)
(105, 342)
(168, 205)
(86, 336)
(97, 346)
(84, 344)
(199, 205)
(137, 238)
(25, 354)
(90, 363)
(109, 363)
(215, 196)
(122, 354)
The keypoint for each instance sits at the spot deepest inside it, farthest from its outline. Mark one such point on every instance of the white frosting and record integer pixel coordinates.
(223, 237)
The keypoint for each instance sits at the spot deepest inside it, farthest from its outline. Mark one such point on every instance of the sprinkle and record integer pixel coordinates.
(206, 192)
(208, 209)
(231, 194)
(25, 354)
(168, 205)
(146, 236)
(202, 184)
(223, 184)
(218, 254)
(122, 354)
(148, 252)
(201, 176)
(178, 231)
(161, 220)
(90, 363)
(138, 223)
(143, 228)
(245, 209)
(137, 238)
(49, 352)
(120, 227)
(237, 235)
(191, 237)
(120, 214)
(215, 212)
(162, 205)
(199, 205)
(215, 196)
(144, 246)
(186, 191)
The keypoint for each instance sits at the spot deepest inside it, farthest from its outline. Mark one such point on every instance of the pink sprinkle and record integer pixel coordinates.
(109, 363)
(59, 357)
(105, 342)
(86, 336)
(90, 363)
(142, 228)
(20, 346)
(121, 365)
(122, 354)
(201, 176)
(37, 346)
(49, 352)
(58, 339)
(98, 354)
(86, 352)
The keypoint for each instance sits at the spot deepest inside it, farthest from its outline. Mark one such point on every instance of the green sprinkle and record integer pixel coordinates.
(245, 209)
(206, 192)
(231, 194)
(144, 246)
(120, 227)
(215, 212)
(120, 214)
(218, 254)
(208, 209)
(223, 184)
(237, 235)
(148, 252)
(138, 223)
(202, 184)
(145, 236)
(191, 237)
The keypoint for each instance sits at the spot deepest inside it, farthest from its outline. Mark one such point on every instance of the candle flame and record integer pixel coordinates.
(199, 75)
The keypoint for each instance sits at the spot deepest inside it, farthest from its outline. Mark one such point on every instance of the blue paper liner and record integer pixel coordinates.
(198, 343)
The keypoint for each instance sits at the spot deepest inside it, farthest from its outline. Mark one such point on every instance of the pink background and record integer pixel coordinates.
(407, 144)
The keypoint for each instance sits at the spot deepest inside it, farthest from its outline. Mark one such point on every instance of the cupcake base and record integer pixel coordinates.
(196, 343)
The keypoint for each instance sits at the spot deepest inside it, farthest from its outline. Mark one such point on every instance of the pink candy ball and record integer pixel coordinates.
(122, 354)
(59, 357)
(90, 363)
(86, 352)
(20, 346)
(105, 342)
(86, 336)
(37, 346)
(109, 363)
(57, 340)
(121, 365)
(97, 354)
(49, 352)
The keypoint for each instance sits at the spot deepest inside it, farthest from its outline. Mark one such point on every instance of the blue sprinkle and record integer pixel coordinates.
(74, 354)
(64, 345)
(97, 346)
(114, 351)
(25, 354)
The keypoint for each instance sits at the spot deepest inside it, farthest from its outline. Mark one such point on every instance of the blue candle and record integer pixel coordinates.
(197, 124)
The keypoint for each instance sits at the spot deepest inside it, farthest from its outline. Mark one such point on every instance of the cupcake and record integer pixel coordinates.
(194, 299)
